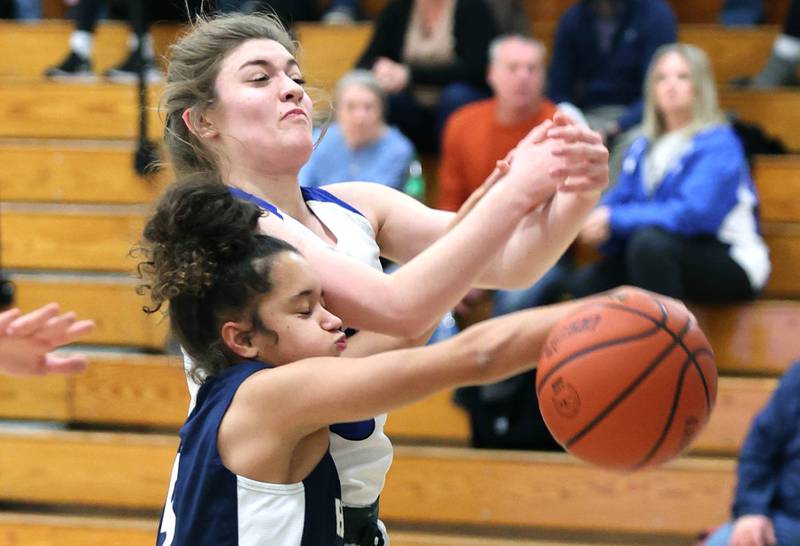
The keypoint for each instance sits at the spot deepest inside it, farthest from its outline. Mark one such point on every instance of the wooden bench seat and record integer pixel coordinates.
(41, 109)
(32, 529)
(74, 237)
(777, 111)
(73, 172)
(110, 300)
(493, 489)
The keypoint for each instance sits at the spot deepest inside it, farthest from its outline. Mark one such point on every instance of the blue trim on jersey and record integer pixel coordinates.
(309, 194)
(205, 501)
(265, 205)
(318, 194)
(354, 431)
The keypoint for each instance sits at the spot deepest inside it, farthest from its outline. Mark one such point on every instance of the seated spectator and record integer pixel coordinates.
(78, 65)
(430, 58)
(682, 219)
(359, 145)
(781, 66)
(503, 415)
(602, 51)
(766, 506)
(479, 134)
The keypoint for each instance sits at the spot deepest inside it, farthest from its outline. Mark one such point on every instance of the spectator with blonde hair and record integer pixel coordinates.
(682, 219)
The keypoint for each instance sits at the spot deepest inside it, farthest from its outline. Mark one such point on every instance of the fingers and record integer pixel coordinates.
(769, 535)
(30, 323)
(574, 133)
(63, 364)
(6, 318)
(78, 330)
(561, 119)
(583, 150)
(571, 185)
(501, 169)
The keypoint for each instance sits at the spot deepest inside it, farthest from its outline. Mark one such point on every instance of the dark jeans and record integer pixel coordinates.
(424, 125)
(87, 13)
(698, 269)
(791, 25)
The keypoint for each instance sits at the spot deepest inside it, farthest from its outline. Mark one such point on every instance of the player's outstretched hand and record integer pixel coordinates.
(585, 166)
(26, 341)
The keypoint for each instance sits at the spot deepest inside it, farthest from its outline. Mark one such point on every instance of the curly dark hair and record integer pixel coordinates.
(204, 256)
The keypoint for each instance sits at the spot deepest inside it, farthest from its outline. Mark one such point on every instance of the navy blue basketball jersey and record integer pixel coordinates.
(208, 505)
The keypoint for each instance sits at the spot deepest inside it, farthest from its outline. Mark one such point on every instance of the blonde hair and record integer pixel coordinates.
(706, 104)
(194, 62)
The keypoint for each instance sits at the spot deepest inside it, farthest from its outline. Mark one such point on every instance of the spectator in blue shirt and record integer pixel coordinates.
(602, 51)
(682, 219)
(359, 145)
(766, 506)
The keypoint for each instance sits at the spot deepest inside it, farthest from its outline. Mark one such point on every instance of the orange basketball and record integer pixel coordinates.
(627, 381)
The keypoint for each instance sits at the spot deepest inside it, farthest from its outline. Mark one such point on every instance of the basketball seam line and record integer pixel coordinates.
(627, 391)
(608, 343)
(673, 409)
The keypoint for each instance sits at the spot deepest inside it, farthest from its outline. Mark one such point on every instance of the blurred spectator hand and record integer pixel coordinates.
(596, 230)
(391, 76)
(26, 341)
(753, 530)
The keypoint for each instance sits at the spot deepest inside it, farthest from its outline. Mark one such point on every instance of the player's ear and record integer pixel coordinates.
(198, 123)
(239, 339)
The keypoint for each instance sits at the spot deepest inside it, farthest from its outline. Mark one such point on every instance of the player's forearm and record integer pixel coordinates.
(435, 280)
(539, 241)
(507, 345)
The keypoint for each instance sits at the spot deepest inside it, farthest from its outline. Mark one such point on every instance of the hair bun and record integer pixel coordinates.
(196, 228)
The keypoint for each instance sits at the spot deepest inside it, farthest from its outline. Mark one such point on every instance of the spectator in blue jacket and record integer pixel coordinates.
(359, 145)
(682, 219)
(766, 506)
(602, 51)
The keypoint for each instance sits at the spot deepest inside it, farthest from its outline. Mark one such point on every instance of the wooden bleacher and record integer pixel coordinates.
(105, 470)
(150, 391)
(71, 208)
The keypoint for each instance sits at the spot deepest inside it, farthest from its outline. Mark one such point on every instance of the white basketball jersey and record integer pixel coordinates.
(361, 451)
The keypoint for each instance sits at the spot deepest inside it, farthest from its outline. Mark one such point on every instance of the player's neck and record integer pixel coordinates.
(280, 190)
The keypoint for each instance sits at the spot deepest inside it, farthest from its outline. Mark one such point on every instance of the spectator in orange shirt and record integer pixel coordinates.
(503, 415)
(480, 133)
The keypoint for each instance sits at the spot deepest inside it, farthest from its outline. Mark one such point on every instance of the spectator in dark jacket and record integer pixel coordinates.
(601, 54)
(766, 507)
(430, 57)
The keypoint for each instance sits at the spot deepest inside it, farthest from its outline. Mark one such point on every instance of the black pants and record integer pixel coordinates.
(791, 25)
(87, 12)
(697, 269)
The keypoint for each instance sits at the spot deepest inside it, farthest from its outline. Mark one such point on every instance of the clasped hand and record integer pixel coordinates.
(556, 156)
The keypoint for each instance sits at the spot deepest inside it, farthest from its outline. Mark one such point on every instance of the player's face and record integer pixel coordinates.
(673, 89)
(517, 74)
(261, 112)
(359, 114)
(295, 311)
